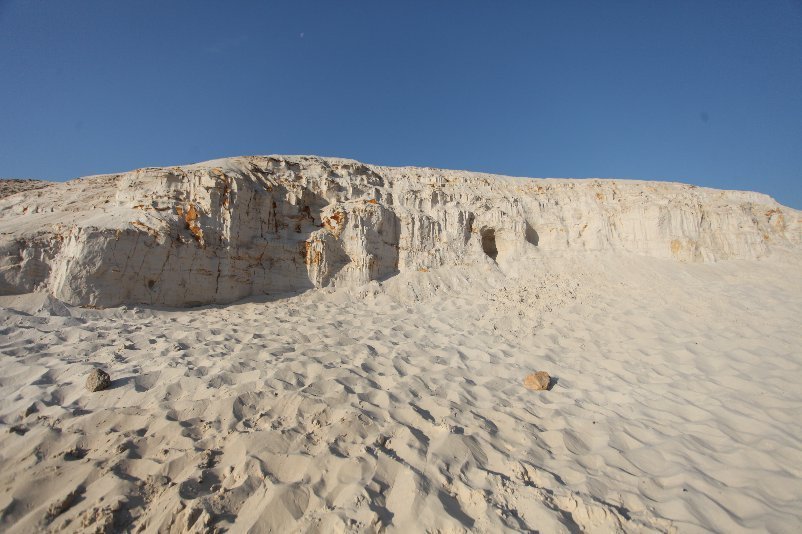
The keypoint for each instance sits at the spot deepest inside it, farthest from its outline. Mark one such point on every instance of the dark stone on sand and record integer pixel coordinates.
(98, 380)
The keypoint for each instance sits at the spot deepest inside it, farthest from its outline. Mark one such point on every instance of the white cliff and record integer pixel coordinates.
(226, 229)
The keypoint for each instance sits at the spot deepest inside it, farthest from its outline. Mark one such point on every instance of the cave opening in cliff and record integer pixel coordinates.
(489, 243)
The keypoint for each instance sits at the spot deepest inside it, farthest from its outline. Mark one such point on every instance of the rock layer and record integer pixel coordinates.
(222, 230)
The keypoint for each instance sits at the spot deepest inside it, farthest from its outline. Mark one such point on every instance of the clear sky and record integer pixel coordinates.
(699, 91)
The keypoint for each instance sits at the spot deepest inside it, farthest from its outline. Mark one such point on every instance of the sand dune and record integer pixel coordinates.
(397, 403)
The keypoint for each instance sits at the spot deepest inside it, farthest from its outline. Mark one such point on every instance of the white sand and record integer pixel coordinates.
(677, 405)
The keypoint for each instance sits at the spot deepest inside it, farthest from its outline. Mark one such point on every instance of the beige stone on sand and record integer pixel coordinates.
(537, 381)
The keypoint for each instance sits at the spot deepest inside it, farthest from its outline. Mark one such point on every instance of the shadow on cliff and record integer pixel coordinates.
(531, 235)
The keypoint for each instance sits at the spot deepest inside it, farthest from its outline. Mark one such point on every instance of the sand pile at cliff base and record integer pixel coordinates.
(675, 407)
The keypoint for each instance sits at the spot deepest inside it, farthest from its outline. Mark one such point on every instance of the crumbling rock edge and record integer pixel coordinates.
(218, 231)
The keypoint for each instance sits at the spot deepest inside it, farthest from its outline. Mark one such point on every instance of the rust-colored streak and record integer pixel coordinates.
(312, 255)
(191, 216)
(150, 230)
(225, 186)
(776, 219)
(335, 223)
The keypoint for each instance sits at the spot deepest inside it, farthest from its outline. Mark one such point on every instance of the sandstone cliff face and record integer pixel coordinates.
(225, 229)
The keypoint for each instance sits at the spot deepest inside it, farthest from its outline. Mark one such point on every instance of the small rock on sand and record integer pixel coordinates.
(98, 380)
(537, 381)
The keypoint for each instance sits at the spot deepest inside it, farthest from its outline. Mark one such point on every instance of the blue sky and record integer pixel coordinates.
(703, 92)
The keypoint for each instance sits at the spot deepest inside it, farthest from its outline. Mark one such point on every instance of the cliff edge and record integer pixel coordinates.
(222, 230)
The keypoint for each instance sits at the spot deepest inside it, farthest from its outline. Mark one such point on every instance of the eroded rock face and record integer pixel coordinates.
(225, 229)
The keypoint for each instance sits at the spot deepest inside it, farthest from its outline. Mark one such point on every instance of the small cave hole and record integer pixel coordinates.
(489, 243)
(531, 235)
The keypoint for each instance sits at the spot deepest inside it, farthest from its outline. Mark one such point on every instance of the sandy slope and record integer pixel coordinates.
(400, 405)
(12, 186)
